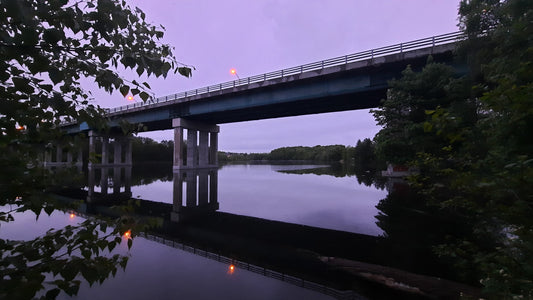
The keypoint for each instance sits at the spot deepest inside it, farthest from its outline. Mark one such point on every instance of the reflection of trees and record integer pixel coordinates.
(370, 177)
(413, 229)
(142, 174)
(336, 170)
(364, 176)
(146, 173)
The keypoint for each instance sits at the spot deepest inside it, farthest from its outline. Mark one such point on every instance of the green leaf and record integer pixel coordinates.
(52, 294)
(103, 226)
(46, 87)
(124, 90)
(135, 91)
(49, 209)
(56, 75)
(123, 263)
(111, 246)
(23, 85)
(144, 96)
(102, 244)
(69, 272)
(86, 253)
(184, 71)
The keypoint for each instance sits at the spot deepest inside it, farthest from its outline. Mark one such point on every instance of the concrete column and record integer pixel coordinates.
(59, 154)
(128, 152)
(203, 149)
(92, 146)
(47, 157)
(105, 150)
(191, 148)
(118, 151)
(213, 149)
(79, 159)
(178, 147)
(69, 156)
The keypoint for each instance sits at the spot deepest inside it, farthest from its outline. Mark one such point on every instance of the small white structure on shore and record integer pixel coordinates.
(398, 171)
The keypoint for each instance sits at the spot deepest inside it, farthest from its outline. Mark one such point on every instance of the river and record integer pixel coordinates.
(306, 198)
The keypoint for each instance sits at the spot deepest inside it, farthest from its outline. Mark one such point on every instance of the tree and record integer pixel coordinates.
(474, 146)
(46, 49)
(147, 150)
(366, 164)
(403, 114)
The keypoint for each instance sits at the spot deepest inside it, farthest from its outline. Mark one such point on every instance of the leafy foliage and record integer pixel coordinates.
(473, 144)
(404, 113)
(47, 48)
(366, 164)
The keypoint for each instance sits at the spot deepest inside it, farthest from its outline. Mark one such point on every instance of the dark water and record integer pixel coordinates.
(243, 206)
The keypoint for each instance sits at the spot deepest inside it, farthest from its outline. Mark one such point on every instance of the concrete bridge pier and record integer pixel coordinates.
(119, 146)
(200, 148)
(195, 193)
(65, 155)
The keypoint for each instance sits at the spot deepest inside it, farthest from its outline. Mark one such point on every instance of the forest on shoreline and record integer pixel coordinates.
(363, 154)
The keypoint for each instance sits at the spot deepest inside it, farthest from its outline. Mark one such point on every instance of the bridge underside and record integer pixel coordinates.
(328, 90)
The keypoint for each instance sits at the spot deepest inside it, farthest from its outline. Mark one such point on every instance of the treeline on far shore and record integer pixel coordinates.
(362, 156)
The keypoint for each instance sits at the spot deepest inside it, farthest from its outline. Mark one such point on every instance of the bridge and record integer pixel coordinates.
(350, 82)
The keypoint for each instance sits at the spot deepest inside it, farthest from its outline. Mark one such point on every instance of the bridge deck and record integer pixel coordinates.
(350, 82)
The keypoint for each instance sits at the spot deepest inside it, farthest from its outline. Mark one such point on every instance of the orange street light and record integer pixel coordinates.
(234, 72)
(130, 98)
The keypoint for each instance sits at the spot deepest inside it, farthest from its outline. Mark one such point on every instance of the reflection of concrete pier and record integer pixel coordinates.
(195, 193)
(114, 183)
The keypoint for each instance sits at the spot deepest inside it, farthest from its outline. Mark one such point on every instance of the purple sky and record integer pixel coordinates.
(260, 36)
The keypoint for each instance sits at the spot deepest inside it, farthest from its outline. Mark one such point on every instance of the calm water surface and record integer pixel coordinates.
(264, 191)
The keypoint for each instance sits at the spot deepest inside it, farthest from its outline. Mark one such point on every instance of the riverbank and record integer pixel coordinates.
(407, 283)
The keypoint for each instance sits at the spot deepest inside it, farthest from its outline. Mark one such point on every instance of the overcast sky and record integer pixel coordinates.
(260, 36)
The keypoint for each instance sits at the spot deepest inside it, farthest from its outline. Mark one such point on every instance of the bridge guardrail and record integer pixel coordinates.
(336, 61)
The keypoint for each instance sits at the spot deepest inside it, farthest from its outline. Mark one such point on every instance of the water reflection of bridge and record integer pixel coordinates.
(194, 190)
(193, 222)
(239, 264)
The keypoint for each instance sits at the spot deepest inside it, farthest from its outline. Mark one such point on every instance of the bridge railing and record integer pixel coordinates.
(319, 65)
